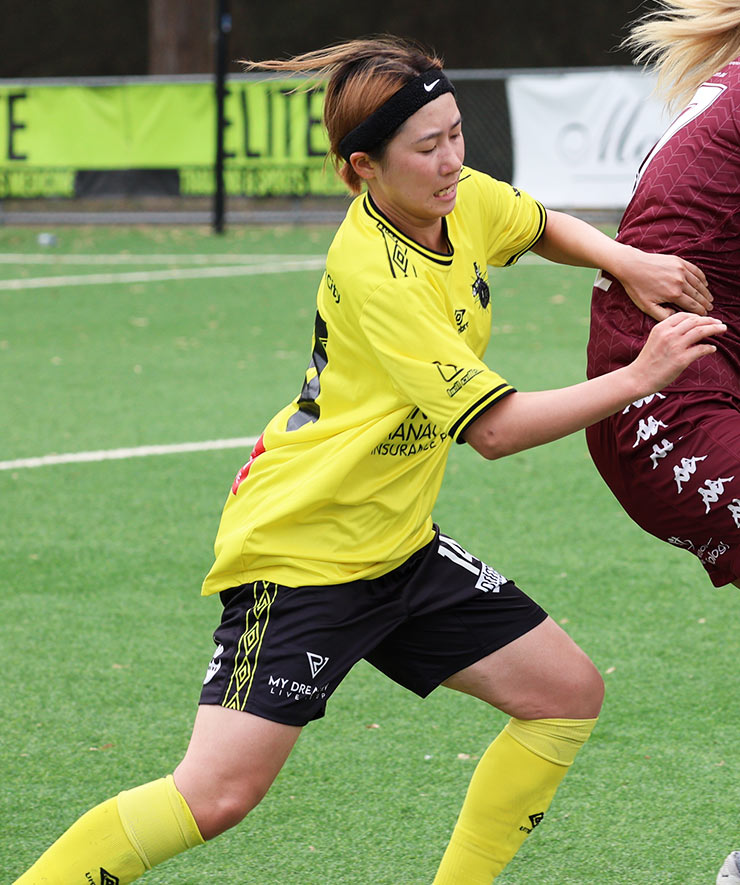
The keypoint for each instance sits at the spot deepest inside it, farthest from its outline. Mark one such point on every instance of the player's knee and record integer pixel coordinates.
(577, 693)
(588, 693)
(218, 814)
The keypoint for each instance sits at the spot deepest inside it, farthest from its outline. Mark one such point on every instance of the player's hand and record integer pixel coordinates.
(661, 284)
(673, 344)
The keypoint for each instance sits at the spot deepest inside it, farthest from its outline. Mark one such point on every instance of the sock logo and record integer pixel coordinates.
(534, 820)
(107, 879)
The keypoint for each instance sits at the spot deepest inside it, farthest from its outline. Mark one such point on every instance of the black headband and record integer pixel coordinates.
(399, 107)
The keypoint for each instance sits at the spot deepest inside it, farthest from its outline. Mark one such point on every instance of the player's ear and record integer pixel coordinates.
(362, 165)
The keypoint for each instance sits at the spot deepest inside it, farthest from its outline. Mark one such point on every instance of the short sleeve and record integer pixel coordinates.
(514, 220)
(417, 345)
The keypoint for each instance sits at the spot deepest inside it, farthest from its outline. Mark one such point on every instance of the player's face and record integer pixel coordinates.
(415, 183)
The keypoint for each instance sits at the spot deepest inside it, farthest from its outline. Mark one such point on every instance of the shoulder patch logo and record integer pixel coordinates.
(448, 371)
(107, 879)
(480, 287)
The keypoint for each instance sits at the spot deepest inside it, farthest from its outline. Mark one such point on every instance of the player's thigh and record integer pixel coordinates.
(231, 761)
(673, 462)
(542, 674)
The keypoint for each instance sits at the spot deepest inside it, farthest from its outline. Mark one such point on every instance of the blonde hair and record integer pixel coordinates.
(686, 41)
(362, 75)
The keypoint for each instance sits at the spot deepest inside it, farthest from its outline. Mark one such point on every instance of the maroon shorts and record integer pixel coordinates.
(672, 461)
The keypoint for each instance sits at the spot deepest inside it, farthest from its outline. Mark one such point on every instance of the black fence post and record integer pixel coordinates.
(223, 29)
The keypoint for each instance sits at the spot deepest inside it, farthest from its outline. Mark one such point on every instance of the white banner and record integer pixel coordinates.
(579, 137)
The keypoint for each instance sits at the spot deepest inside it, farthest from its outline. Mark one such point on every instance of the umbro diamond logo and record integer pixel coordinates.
(430, 86)
(107, 879)
(534, 820)
(316, 662)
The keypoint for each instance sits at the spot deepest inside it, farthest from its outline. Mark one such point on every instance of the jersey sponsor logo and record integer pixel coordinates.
(734, 509)
(316, 663)
(481, 292)
(413, 435)
(214, 665)
(488, 579)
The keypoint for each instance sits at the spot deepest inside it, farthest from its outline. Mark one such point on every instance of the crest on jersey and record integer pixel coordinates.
(480, 288)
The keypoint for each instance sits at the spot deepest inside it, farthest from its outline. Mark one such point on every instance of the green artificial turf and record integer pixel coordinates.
(106, 639)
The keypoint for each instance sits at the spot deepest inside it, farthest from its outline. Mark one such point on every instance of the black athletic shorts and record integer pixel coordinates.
(282, 651)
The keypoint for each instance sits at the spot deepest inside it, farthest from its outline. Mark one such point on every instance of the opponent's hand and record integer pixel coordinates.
(673, 344)
(655, 282)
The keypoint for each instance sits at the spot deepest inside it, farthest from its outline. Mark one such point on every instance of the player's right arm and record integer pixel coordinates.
(523, 420)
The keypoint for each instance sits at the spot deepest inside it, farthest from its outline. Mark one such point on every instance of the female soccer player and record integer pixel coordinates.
(673, 459)
(327, 553)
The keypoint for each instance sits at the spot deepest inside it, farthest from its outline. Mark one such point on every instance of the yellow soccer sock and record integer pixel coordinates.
(510, 791)
(119, 840)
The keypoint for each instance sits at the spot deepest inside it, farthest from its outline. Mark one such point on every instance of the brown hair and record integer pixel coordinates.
(362, 75)
(686, 41)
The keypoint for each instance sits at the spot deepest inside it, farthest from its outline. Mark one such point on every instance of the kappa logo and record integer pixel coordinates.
(430, 86)
(714, 488)
(316, 662)
(107, 879)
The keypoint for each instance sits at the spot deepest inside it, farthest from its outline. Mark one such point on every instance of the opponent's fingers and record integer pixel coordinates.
(658, 312)
(692, 301)
(687, 329)
(699, 331)
(698, 285)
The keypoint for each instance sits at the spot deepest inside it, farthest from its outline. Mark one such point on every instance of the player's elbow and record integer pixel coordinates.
(488, 442)
(493, 435)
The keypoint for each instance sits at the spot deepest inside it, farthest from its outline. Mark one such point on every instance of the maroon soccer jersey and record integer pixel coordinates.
(686, 202)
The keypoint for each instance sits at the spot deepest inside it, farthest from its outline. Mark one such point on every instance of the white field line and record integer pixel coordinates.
(152, 276)
(129, 258)
(246, 442)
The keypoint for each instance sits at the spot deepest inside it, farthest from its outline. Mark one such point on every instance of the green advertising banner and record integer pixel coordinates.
(52, 135)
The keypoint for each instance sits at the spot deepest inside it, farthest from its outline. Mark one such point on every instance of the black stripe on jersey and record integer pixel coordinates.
(540, 231)
(477, 409)
(438, 257)
(308, 409)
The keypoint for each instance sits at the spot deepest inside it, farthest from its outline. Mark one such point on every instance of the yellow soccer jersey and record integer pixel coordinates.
(343, 481)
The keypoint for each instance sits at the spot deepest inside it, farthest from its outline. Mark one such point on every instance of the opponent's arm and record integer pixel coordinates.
(524, 420)
(651, 280)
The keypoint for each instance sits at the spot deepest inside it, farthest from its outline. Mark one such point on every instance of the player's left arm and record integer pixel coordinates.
(651, 280)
